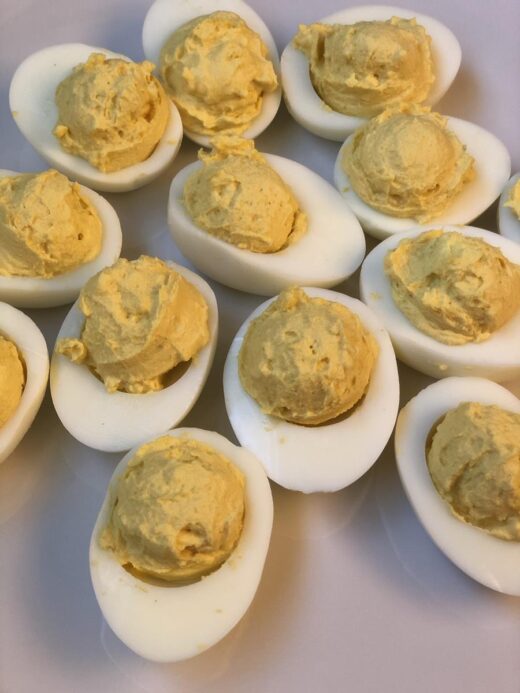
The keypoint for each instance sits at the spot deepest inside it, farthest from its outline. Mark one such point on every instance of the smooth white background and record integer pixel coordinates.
(355, 596)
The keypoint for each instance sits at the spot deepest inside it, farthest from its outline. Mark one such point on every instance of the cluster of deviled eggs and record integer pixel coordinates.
(310, 370)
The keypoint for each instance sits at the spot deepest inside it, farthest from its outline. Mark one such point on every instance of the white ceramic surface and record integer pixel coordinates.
(354, 596)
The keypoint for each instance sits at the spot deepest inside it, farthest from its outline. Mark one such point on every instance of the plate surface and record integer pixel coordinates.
(354, 594)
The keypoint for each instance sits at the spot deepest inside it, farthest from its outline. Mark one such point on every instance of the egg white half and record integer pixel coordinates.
(166, 16)
(508, 222)
(37, 292)
(167, 623)
(492, 169)
(331, 249)
(31, 99)
(497, 358)
(318, 458)
(25, 334)
(308, 109)
(493, 562)
(118, 421)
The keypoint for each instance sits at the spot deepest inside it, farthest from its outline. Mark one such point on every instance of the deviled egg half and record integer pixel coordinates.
(261, 223)
(461, 300)
(509, 209)
(95, 115)
(335, 77)
(24, 370)
(479, 502)
(219, 63)
(409, 166)
(55, 235)
(174, 570)
(133, 354)
(311, 387)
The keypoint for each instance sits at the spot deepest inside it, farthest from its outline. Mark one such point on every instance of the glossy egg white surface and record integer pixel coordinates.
(329, 251)
(38, 292)
(166, 16)
(118, 421)
(25, 334)
(496, 358)
(31, 99)
(508, 222)
(492, 169)
(307, 107)
(168, 623)
(491, 561)
(326, 457)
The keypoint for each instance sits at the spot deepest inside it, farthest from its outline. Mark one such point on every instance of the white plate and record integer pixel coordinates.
(354, 596)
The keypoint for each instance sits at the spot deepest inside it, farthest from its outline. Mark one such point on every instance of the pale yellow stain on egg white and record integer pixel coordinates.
(12, 379)
(407, 163)
(306, 360)
(238, 197)
(216, 70)
(513, 201)
(452, 287)
(47, 226)
(474, 462)
(111, 112)
(177, 510)
(361, 69)
(142, 318)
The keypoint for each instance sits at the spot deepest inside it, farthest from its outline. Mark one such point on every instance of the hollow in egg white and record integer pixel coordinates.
(497, 358)
(166, 16)
(306, 106)
(40, 292)
(492, 169)
(330, 250)
(30, 343)
(330, 456)
(491, 561)
(117, 421)
(32, 103)
(168, 623)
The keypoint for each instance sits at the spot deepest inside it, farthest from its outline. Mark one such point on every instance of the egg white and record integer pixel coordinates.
(497, 358)
(308, 109)
(331, 249)
(318, 458)
(166, 16)
(508, 222)
(25, 334)
(32, 103)
(491, 561)
(38, 292)
(117, 421)
(167, 623)
(492, 169)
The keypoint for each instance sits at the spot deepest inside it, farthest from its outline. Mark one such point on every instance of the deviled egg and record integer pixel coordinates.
(113, 138)
(260, 222)
(219, 63)
(493, 561)
(311, 387)
(463, 300)
(509, 210)
(409, 166)
(24, 369)
(149, 549)
(55, 235)
(386, 55)
(133, 354)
